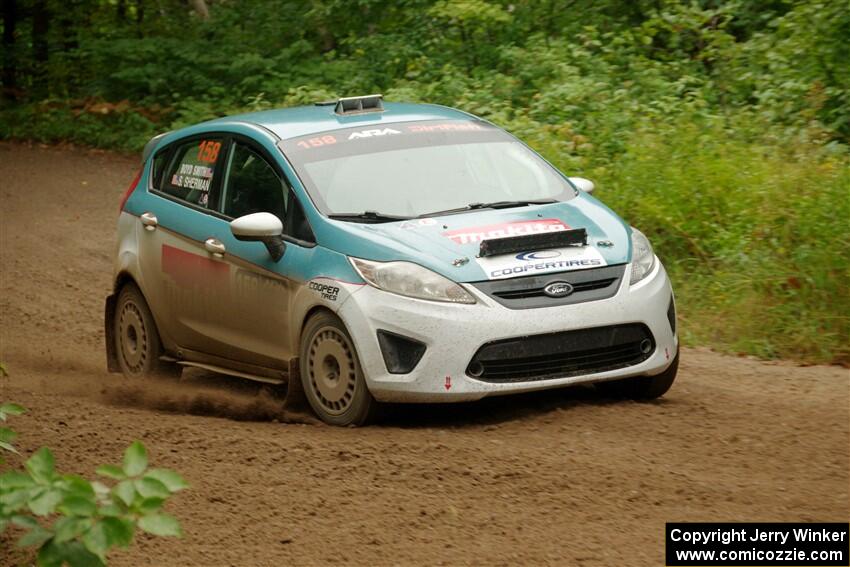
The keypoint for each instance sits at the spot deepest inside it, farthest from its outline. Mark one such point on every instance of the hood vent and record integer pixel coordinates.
(531, 242)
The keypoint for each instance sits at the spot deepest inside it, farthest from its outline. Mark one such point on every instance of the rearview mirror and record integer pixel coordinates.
(583, 184)
(261, 227)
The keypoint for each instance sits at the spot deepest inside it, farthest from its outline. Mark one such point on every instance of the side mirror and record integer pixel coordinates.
(261, 227)
(583, 184)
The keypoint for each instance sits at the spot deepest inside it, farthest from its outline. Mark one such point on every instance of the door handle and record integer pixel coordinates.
(214, 247)
(149, 221)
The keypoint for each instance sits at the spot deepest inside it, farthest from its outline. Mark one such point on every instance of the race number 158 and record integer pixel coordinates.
(208, 151)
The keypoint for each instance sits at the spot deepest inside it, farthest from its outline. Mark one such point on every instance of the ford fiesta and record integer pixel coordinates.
(366, 252)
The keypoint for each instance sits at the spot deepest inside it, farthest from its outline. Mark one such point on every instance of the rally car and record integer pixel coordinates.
(368, 252)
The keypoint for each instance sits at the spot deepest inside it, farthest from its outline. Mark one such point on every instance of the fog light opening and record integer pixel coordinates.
(646, 346)
(476, 369)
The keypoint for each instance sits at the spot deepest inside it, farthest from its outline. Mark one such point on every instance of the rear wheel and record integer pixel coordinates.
(331, 375)
(137, 343)
(641, 387)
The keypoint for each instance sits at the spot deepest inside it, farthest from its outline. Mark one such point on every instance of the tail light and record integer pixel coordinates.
(130, 189)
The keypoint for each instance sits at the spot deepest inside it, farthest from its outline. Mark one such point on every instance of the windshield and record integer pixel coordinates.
(416, 168)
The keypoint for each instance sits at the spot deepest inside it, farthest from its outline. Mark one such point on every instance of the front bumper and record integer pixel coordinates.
(453, 333)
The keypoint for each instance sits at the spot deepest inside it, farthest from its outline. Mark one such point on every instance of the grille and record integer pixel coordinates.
(538, 291)
(527, 292)
(562, 354)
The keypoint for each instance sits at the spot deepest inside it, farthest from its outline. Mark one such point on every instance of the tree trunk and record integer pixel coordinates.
(10, 20)
(40, 47)
(140, 18)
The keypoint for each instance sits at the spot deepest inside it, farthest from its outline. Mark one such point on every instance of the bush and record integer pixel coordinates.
(750, 234)
(76, 522)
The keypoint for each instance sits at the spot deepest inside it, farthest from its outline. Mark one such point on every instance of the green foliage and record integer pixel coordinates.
(720, 128)
(76, 522)
(7, 435)
(753, 236)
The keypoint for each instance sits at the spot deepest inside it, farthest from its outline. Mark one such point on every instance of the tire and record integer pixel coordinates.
(137, 343)
(642, 387)
(331, 375)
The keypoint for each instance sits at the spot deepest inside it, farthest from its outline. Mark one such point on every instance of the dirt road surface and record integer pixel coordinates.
(558, 478)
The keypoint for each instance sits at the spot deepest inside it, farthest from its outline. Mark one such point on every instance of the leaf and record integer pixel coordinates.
(69, 528)
(96, 540)
(111, 471)
(110, 510)
(7, 434)
(99, 488)
(77, 486)
(41, 466)
(35, 537)
(15, 479)
(10, 409)
(160, 525)
(27, 522)
(51, 554)
(6, 447)
(125, 492)
(45, 503)
(173, 481)
(78, 556)
(17, 498)
(77, 506)
(150, 505)
(73, 553)
(151, 488)
(119, 532)
(135, 459)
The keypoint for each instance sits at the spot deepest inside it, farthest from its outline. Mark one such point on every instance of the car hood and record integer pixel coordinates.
(450, 244)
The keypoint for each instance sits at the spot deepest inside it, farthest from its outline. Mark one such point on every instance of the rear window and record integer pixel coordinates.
(193, 167)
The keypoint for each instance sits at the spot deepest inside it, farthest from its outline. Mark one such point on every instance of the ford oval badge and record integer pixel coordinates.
(558, 289)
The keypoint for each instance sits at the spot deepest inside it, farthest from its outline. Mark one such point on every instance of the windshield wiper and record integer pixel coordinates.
(367, 217)
(493, 205)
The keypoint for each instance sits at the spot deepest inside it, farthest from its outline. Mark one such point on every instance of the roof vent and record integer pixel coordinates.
(359, 105)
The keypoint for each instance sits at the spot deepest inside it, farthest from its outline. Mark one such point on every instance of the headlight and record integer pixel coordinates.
(411, 280)
(643, 258)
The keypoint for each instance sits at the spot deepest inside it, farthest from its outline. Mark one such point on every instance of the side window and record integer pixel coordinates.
(159, 160)
(190, 175)
(251, 185)
(297, 225)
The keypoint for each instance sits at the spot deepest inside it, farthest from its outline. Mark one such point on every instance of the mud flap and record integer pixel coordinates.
(295, 399)
(109, 334)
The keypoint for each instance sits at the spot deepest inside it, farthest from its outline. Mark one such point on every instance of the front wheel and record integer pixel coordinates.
(641, 387)
(331, 375)
(137, 343)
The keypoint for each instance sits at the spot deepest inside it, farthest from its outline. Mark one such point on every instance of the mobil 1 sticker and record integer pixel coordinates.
(541, 262)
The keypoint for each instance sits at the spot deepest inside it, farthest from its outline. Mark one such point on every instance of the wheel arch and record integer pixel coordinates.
(123, 278)
(308, 315)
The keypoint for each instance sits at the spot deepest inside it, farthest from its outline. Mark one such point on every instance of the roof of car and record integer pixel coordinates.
(314, 119)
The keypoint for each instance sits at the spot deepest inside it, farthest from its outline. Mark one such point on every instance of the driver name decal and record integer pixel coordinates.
(475, 234)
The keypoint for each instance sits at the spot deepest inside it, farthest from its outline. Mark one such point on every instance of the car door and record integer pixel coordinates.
(177, 266)
(259, 290)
